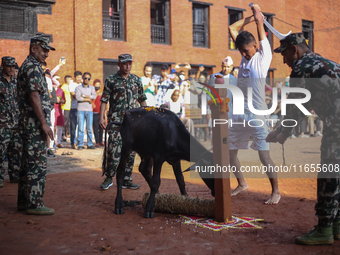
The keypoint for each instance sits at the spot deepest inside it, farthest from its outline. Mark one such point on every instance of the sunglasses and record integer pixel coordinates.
(86, 78)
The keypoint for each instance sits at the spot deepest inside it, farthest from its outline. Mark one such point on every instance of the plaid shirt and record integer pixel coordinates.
(163, 87)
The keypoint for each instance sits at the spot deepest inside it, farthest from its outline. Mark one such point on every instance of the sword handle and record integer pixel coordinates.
(273, 30)
(251, 5)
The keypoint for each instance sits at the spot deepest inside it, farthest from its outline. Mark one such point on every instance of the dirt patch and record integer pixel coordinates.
(85, 223)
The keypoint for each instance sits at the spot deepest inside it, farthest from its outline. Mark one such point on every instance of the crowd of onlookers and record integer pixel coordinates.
(182, 90)
(75, 101)
(172, 89)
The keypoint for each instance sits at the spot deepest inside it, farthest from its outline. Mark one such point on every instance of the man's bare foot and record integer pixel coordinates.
(239, 189)
(274, 199)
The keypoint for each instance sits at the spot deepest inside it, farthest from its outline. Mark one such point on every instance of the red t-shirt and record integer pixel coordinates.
(97, 103)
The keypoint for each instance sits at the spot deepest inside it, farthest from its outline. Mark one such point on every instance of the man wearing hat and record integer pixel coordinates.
(122, 90)
(34, 121)
(227, 67)
(10, 139)
(321, 77)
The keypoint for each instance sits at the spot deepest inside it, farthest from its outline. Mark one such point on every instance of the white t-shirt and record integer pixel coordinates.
(252, 73)
(72, 88)
(168, 94)
(177, 107)
(149, 92)
(49, 84)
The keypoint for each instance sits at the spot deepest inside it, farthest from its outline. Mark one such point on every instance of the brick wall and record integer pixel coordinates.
(76, 26)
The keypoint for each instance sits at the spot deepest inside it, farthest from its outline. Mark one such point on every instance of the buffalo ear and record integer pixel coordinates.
(190, 168)
(193, 167)
(201, 162)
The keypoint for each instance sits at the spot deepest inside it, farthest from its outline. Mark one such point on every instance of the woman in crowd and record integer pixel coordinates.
(98, 132)
(59, 117)
(148, 85)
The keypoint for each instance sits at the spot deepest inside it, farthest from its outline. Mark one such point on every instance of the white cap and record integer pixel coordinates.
(228, 60)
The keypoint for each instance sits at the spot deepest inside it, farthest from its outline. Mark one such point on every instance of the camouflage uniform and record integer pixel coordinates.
(9, 134)
(321, 77)
(31, 78)
(122, 94)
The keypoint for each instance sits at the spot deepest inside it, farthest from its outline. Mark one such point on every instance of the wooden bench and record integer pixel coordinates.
(193, 113)
(201, 125)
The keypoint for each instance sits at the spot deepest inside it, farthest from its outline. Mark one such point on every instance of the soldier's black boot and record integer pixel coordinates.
(318, 236)
(336, 229)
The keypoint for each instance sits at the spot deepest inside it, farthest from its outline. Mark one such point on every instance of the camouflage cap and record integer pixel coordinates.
(123, 58)
(290, 40)
(8, 61)
(42, 41)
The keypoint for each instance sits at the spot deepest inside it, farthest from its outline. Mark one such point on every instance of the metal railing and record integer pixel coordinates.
(199, 35)
(111, 25)
(111, 29)
(158, 34)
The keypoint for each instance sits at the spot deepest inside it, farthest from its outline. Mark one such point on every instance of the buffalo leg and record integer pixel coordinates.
(119, 205)
(179, 177)
(145, 169)
(155, 183)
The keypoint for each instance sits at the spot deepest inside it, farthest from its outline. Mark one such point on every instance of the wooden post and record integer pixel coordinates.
(221, 158)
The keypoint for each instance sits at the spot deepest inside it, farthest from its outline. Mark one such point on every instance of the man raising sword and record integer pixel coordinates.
(252, 73)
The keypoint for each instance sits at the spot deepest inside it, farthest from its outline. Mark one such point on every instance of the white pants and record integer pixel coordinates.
(245, 125)
(59, 133)
(52, 126)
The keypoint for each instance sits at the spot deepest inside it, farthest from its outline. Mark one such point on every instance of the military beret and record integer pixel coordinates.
(290, 40)
(42, 41)
(123, 58)
(8, 61)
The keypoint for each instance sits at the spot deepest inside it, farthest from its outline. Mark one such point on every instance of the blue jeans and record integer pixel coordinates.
(82, 117)
(73, 125)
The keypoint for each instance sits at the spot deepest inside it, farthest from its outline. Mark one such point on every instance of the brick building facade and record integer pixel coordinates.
(92, 33)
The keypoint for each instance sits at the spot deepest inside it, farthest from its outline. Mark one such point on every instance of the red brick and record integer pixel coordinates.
(82, 44)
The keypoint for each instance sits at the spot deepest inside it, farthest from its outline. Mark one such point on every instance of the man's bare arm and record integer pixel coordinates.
(37, 108)
(73, 94)
(238, 25)
(259, 18)
(102, 122)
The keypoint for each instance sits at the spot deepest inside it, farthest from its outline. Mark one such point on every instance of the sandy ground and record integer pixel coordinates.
(84, 219)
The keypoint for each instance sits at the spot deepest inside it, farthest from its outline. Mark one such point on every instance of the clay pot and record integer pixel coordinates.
(219, 80)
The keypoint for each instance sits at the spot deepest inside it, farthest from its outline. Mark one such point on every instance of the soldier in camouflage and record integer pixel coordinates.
(34, 122)
(10, 139)
(321, 77)
(122, 91)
